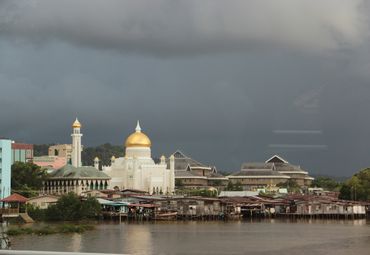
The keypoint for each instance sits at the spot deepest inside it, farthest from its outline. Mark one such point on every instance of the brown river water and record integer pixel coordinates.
(213, 237)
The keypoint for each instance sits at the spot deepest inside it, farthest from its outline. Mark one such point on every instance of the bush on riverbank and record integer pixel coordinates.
(48, 230)
(68, 208)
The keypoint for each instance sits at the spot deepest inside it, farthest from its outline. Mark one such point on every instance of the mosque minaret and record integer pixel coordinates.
(76, 144)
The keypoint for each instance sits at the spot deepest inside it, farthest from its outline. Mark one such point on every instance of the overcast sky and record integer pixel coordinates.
(226, 82)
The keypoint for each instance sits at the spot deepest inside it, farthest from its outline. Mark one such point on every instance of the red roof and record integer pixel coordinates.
(14, 198)
(22, 146)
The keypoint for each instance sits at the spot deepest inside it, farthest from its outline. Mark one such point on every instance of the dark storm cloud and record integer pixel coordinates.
(186, 27)
(289, 77)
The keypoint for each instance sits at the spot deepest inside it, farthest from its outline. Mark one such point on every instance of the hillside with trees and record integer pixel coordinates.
(357, 187)
(327, 183)
(41, 149)
(104, 152)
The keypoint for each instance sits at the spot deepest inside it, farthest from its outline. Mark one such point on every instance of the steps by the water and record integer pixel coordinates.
(26, 218)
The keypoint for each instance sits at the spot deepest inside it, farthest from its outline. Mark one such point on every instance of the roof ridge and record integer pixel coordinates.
(180, 152)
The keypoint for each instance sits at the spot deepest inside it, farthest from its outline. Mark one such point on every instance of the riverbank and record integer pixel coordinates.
(49, 229)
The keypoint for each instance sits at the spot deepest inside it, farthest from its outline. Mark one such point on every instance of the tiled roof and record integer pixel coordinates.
(184, 173)
(182, 162)
(53, 162)
(14, 198)
(257, 172)
(288, 167)
(272, 166)
(257, 165)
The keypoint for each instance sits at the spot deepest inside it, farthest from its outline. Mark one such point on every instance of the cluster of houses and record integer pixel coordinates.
(138, 205)
(133, 205)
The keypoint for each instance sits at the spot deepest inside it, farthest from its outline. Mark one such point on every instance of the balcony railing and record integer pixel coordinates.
(7, 211)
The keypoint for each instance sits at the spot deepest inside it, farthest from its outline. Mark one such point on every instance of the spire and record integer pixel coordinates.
(138, 128)
(76, 124)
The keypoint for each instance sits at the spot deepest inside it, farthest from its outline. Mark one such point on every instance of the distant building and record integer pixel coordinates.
(42, 202)
(75, 179)
(62, 154)
(273, 171)
(193, 174)
(5, 167)
(238, 193)
(22, 152)
(61, 150)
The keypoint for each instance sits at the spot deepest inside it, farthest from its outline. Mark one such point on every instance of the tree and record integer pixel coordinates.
(41, 149)
(104, 152)
(345, 192)
(178, 183)
(27, 178)
(90, 208)
(357, 187)
(69, 207)
(230, 186)
(234, 187)
(326, 183)
(291, 185)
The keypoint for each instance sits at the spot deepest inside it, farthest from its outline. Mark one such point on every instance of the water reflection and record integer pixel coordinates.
(75, 242)
(137, 239)
(272, 236)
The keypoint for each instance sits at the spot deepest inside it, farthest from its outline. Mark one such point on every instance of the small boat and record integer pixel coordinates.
(166, 216)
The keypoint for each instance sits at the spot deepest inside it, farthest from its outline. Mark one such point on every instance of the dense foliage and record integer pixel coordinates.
(234, 187)
(358, 187)
(326, 183)
(41, 149)
(27, 178)
(104, 152)
(291, 185)
(69, 207)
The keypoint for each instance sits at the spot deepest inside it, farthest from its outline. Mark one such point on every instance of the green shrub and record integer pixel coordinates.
(47, 230)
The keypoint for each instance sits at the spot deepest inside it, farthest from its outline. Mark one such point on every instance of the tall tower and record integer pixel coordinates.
(76, 144)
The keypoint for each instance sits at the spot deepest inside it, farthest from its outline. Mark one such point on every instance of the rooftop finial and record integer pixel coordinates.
(138, 128)
(76, 124)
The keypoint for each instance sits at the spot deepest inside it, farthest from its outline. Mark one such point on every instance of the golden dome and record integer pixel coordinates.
(138, 139)
(76, 124)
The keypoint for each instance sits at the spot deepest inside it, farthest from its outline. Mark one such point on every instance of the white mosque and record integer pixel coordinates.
(137, 170)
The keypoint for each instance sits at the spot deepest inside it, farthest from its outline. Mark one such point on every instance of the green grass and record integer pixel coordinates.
(48, 230)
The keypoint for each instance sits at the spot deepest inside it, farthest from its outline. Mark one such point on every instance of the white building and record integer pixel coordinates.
(137, 170)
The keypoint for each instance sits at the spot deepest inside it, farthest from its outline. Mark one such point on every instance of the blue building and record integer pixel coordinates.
(5, 167)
